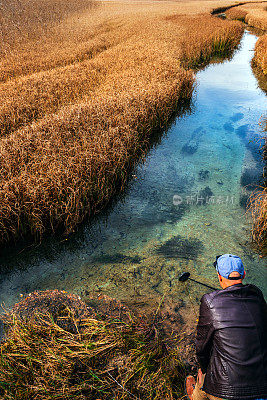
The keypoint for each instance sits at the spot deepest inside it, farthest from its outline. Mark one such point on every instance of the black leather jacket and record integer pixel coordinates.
(231, 342)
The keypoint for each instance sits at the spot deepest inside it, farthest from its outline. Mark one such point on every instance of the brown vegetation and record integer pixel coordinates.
(237, 13)
(258, 209)
(83, 125)
(24, 20)
(254, 14)
(260, 54)
(70, 352)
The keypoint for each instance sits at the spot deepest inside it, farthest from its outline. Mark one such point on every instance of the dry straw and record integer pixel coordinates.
(260, 54)
(70, 354)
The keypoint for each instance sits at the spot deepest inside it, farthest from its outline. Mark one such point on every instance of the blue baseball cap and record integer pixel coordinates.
(228, 263)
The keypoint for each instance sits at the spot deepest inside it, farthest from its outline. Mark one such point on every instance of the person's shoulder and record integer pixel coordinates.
(209, 297)
(254, 289)
(219, 295)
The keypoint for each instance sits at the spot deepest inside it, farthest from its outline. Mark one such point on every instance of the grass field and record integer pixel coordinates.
(81, 98)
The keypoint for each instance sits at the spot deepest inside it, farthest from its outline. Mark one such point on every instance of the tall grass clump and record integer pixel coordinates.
(258, 209)
(71, 164)
(256, 16)
(236, 13)
(101, 358)
(209, 37)
(260, 55)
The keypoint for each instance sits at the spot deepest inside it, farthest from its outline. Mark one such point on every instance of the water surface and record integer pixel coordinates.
(185, 205)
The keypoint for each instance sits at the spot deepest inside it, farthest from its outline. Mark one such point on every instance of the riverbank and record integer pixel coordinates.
(74, 133)
(56, 346)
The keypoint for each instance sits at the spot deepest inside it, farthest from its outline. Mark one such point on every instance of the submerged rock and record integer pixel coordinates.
(250, 178)
(190, 148)
(237, 117)
(203, 174)
(180, 247)
(228, 126)
(204, 195)
(242, 130)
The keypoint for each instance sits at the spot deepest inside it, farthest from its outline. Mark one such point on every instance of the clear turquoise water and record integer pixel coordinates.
(207, 160)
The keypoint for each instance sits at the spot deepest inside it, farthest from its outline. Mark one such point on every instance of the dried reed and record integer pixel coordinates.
(102, 359)
(260, 54)
(258, 208)
(237, 13)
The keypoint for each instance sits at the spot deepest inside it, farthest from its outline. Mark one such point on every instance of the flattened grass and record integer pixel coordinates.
(108, 358)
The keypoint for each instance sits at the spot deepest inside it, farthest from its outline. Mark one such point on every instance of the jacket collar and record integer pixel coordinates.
(233, 287)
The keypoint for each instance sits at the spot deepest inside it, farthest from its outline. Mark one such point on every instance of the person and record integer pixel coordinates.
(231, 339)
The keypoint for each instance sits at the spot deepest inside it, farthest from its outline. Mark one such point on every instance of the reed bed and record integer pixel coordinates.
(36, 95)
(237, 13)
(260, 54)
(70, 165)
(72, 135)
(98, 358)
(258, 208)
(25, 20)
(258, 200)
(256, 16)
(207, 37)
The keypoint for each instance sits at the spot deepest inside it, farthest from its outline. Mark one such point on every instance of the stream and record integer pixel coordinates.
(185, 205)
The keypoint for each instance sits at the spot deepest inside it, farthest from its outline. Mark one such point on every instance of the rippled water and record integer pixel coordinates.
(185, 205)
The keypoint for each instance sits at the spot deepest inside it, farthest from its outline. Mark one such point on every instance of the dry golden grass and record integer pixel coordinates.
(71, 164)
(237, 13)
(206, 37)
(256, 15)
(33, 96)
(73, 133)
(30, 20)
(258, 208)
(260, 54)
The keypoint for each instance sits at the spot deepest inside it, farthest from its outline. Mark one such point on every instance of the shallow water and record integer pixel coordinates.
(185, 205)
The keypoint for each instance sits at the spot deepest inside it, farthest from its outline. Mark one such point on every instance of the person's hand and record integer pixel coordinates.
(200, 378)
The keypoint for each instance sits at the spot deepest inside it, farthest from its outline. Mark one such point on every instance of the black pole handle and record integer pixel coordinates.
(203, 284)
